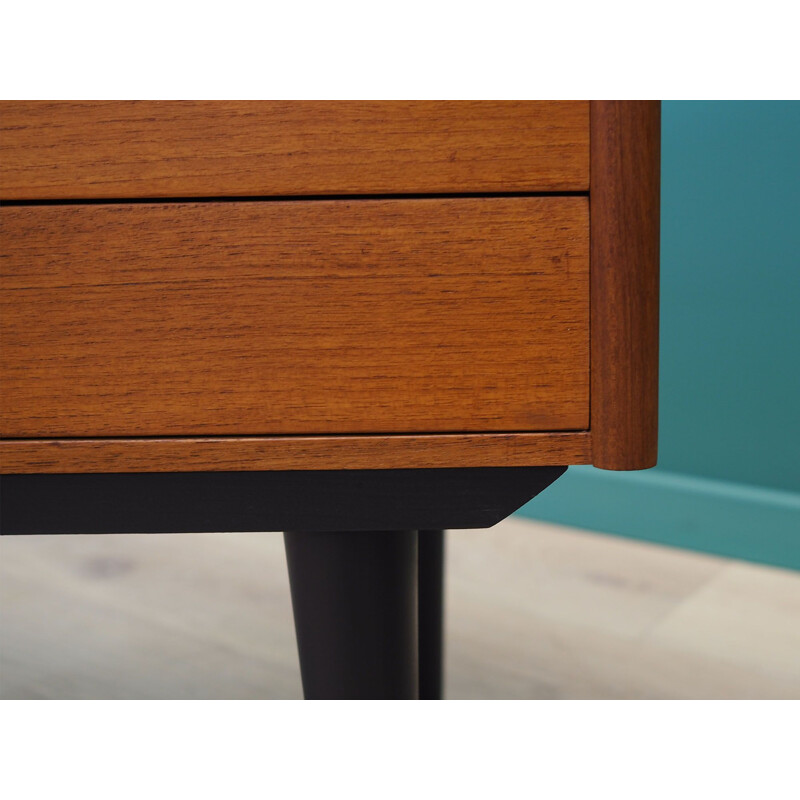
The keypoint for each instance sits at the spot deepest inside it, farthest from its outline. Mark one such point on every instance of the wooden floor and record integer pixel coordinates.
(533, 611)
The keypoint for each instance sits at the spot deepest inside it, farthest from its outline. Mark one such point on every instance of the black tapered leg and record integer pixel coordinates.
(354, 596)
(431, 614)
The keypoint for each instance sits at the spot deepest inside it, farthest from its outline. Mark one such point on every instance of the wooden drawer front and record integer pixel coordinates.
(264, 148)
(290, 317)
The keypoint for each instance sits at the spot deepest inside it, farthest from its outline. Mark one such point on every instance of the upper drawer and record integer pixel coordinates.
(293, 317)
(265, 148)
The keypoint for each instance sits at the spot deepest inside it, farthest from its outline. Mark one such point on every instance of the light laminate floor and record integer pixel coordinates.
(533, 611)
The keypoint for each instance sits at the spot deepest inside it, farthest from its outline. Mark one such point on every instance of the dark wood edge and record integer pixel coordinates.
(308, 500)
(624, 206)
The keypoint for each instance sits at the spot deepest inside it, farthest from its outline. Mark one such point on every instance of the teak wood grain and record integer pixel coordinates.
(231, 454)
(120, 149)
(295, 317)
(625, 195)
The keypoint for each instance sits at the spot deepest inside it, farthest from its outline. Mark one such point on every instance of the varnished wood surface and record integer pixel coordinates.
(294, 452)
(210, 149)
(295, 317)
(625, 195)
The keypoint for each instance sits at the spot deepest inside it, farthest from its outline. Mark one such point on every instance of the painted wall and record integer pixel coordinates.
(728, 479)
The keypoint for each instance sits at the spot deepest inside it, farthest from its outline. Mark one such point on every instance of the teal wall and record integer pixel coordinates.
(728, 479)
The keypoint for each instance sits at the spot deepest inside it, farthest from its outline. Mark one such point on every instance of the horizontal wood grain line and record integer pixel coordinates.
(204, 319)
(295, 453)
(210, 148)
(101, 201)
(239, 437)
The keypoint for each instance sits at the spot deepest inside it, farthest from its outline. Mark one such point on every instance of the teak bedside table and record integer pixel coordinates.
(362, 322)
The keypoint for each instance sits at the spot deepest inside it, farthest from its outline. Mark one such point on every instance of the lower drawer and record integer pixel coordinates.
(295, 317)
